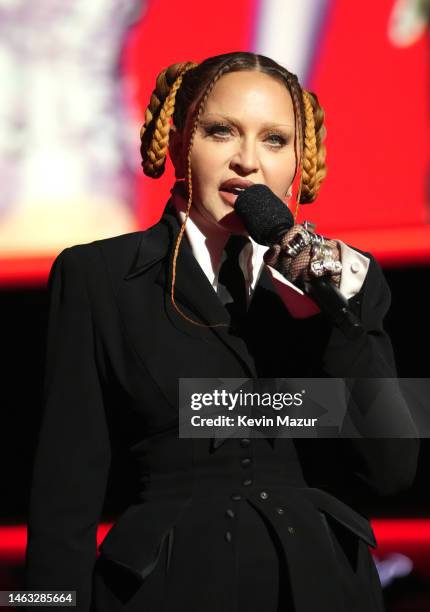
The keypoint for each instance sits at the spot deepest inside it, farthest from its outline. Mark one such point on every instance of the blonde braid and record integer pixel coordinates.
(296, 95)
(321, 133)
(154, 153)
(197, 114)
(314, 153)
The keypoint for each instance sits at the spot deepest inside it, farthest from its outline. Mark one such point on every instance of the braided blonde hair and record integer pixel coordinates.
(181, 84)
(154, 133)
(314, 168)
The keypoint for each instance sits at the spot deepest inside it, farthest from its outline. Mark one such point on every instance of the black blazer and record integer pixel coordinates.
(116, 349)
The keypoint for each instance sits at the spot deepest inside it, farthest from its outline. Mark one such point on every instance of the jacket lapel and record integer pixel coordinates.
(193, 293)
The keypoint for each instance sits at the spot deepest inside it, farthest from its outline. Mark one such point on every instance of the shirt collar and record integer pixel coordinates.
(207, 244)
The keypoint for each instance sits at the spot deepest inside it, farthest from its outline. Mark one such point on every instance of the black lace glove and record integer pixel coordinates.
(297, 267)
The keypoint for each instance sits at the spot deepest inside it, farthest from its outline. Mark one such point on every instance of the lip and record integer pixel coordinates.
(235, 183)
(229, 197)
(226, 189)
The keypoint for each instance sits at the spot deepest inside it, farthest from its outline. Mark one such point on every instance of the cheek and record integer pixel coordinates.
(279, 171)
(207, 172)
(209, 158)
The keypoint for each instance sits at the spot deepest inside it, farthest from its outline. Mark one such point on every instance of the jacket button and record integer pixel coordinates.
(264, 495)
(355, 267)
(247, 482)
(245, 442)
(228, 536)
(245, 461)
(230, 513)
(236, 497)
(280, 510)
(291, 530)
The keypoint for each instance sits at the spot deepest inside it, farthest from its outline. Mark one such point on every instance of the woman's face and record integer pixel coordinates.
(246, 133)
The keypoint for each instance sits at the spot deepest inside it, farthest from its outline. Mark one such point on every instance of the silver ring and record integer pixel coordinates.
(323, 260)
(317, 239)
(309, 226)
(320, 267)
(298, 242)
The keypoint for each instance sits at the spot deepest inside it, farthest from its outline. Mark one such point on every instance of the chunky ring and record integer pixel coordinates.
(309, 226)
(323, 261)
(317, 239)
(298, 242)
(320, 268)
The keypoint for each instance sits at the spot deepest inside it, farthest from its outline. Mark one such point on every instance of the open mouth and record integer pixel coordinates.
(232, 188)
(230, 195)
(235, 190)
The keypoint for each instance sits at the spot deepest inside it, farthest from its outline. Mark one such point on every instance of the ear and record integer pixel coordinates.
(176, 152)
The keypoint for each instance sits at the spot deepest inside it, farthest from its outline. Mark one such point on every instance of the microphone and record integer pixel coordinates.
(267, 219)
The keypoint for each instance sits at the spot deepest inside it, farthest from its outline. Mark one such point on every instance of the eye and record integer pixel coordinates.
(277, 140)
(219, 130)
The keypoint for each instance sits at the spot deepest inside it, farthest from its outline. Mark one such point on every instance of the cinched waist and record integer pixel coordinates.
(205, 482)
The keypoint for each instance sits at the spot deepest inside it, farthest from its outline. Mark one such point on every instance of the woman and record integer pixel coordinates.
(218, 524)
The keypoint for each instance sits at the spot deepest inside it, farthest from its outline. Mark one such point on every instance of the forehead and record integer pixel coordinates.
(251, 94)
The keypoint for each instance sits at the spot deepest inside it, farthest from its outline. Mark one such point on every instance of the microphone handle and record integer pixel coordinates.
(334, 305)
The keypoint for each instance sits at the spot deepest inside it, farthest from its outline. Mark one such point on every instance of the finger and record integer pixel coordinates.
(290, 235)
(271, 255)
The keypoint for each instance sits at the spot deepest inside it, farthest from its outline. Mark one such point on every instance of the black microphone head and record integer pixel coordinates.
(263, 214)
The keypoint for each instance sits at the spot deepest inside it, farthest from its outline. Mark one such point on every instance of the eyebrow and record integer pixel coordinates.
(235, 121)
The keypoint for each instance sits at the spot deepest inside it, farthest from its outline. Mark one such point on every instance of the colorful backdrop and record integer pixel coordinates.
(77, 77)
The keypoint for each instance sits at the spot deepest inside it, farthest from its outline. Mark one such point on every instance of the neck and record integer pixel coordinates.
(215, 237)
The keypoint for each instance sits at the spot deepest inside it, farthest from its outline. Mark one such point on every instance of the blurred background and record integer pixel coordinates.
(76, 77)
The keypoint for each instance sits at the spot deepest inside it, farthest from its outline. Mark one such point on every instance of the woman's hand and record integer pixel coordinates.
(298, 266)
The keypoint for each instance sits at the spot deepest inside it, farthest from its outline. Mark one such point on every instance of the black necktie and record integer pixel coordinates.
(231, 282)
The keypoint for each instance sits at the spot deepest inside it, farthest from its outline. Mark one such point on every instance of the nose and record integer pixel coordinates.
(245, 158)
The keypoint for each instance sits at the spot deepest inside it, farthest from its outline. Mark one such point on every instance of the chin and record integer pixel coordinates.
(232, 223)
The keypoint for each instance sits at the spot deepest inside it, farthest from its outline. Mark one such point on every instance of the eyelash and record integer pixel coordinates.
(211, 130)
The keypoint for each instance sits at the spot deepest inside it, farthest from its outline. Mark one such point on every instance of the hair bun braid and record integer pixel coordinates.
(314, 152)
(154, 133)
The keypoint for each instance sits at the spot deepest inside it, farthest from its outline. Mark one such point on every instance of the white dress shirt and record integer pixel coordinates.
(207, 244)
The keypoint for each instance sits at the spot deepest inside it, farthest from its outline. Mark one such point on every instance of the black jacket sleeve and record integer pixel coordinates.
(73, 452)
(385, 457)
(370, 356)
(378, 463)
